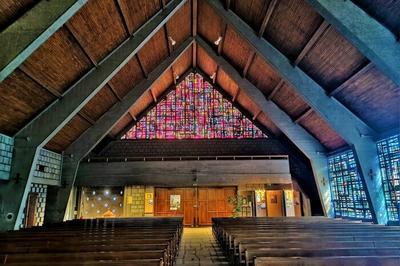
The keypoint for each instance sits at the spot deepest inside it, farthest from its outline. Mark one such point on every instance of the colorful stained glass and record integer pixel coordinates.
(194, 110)
(348, 194)
(389, 160)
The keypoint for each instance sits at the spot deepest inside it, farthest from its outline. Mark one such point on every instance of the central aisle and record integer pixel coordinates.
(199, 247)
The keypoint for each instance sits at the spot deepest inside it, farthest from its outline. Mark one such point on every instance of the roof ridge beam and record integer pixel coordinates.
(343, 121)
(373, 39)
(36, 134)
(92, 136)
(310, 146)
(32, 30)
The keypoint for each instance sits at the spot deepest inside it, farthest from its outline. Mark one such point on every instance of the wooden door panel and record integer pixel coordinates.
(274, 203)
(297, 203)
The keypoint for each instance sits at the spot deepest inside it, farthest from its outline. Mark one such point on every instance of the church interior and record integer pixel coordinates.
(200, 132)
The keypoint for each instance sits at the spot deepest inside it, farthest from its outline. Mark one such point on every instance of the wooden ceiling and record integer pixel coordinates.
(292, 26)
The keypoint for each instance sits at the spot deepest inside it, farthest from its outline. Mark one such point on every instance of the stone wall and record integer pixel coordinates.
(134, 200)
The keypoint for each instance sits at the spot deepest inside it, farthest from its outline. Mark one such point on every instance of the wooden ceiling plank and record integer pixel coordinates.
(144, 72)
(87, 118)
(79, 42)
(310, 146)
(267, 17)
(114, 92)
(350, 127)
(248, 63)
(303, 115)
(377, 43)
(47, 124)
(353, 78)
(275, 90)
(32, 30)
(315, 37)
(194, 17)
(49, 89)
(124, 16)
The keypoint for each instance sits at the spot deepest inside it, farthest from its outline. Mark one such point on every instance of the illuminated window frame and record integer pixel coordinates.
(389, 161)
(348, 192)
(194, 110)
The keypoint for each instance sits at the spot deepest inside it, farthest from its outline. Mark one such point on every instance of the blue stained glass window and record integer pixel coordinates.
(194, 110)
(389, 160)
(348, 194)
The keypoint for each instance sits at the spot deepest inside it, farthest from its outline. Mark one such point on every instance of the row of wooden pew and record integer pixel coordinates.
(306, 241)
(130, 241)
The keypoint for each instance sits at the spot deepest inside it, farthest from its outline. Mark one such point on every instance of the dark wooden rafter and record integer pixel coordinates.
(256, 115)
(123, 16)
(303, 115)
(86, 118)
(114, 92)
(248, 63)
(267, 17)
(353, 78)
(153, 95)
(144, 72)
(194, 31)
(275, 90)
(79, 42)
(227, 4)
(168, 39)
(32, 77)
(221, 43)
(313, 40)
(236, 95)
(174, 76)
(163, 4)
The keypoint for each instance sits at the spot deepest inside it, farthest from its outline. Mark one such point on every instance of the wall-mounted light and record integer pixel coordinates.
(173, 42)
(218, 41)
(213, 76)
(177, 77)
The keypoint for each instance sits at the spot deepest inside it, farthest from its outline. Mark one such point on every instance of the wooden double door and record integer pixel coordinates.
(197, 205)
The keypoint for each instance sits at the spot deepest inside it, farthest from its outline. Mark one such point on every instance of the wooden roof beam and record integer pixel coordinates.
(369, 36)
(275, 89)
(351, 128)
(194, 31)
(313, 40)
(23, 37)
(310, 146)
(92, 136)
(303, 115)
(47, 124)
(248, 63)
(267, 17)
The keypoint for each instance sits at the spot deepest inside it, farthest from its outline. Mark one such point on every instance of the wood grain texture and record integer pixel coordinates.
(179, 26)
(183, 63)
(235, 49)
(290, 101)
(205, 62)
(122, 123)
(164, 82)
(141, 104)
(269, 124)
(291, 26)
(137, 12)
(129, 76)
(210, 25)
(98, 28)
(154, 51)
(58, 63)
(99, 104)
(226, 83)
(21, 99)
(247, 103)
(252, 11)
(332, 60)
(10, 11)
(262, 75)
(375, 99)
(68, 134)
(314, 124)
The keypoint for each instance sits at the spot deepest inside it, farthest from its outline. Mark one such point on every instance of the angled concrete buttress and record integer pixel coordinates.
(32, 137)
(19, 40)
(354, 131)
(375, 41)
(299, 136)
(58, 197)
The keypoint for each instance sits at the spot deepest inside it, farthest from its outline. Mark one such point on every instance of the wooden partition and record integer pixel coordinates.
(196, 205)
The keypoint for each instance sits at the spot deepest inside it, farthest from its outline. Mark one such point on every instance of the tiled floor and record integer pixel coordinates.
(198, 247)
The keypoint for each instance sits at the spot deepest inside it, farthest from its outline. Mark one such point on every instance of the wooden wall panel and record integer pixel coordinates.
(183, 63)
(154, 51)
(210, 25)
(290, 101)
(128, 77)
(332, 60)
(375, 99)
(99, 104)
(322, 131)
(68, 134)
(262, 75)
(58, 63)
(163, 83)
(122, 123)
(179, 26)
(12, 10)
(98, 28)
(251, 11)
(137, 12)
(213, 202)
(291, 26)
(226, 83)
(236, 49)
(21, 99)
(205, 62)
(267, 122)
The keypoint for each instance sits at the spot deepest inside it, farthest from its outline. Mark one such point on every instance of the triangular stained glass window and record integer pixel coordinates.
(194, 110)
